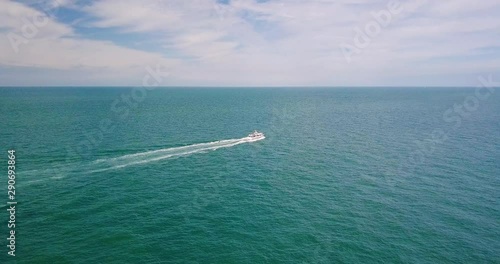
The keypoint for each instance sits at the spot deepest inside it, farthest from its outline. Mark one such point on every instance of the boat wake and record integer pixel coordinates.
(161, 154)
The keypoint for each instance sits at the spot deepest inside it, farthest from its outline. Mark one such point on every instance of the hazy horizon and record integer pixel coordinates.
(249, 43)
(245, 87)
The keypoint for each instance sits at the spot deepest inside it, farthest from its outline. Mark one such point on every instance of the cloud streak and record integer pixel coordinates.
(254, 43)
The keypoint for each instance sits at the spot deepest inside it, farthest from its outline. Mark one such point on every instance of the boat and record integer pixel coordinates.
(256, 135)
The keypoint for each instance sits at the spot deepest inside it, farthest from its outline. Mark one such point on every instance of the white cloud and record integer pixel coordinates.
(55, 46)
(271, 43)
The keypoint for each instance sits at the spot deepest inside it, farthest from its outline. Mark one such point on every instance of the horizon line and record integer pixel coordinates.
(227, 86)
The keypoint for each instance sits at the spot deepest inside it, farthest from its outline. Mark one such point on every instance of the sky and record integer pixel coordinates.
(249, 42)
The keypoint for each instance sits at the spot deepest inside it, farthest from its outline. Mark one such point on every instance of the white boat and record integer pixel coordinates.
(256, 135)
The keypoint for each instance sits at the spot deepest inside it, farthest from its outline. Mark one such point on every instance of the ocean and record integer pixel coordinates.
(344, 175)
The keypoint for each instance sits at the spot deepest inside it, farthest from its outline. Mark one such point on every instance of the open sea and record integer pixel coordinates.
(344, 175)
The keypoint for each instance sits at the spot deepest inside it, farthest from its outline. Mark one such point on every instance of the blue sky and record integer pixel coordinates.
(249, 42)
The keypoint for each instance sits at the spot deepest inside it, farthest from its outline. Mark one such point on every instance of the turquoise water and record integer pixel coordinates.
(364, 175)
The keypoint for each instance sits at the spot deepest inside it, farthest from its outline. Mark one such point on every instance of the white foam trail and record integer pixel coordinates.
(161, 154)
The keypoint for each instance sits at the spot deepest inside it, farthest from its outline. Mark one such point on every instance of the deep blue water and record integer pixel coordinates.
(345, 175)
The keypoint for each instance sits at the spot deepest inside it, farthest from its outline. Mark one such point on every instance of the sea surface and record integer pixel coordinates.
(344, 175)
